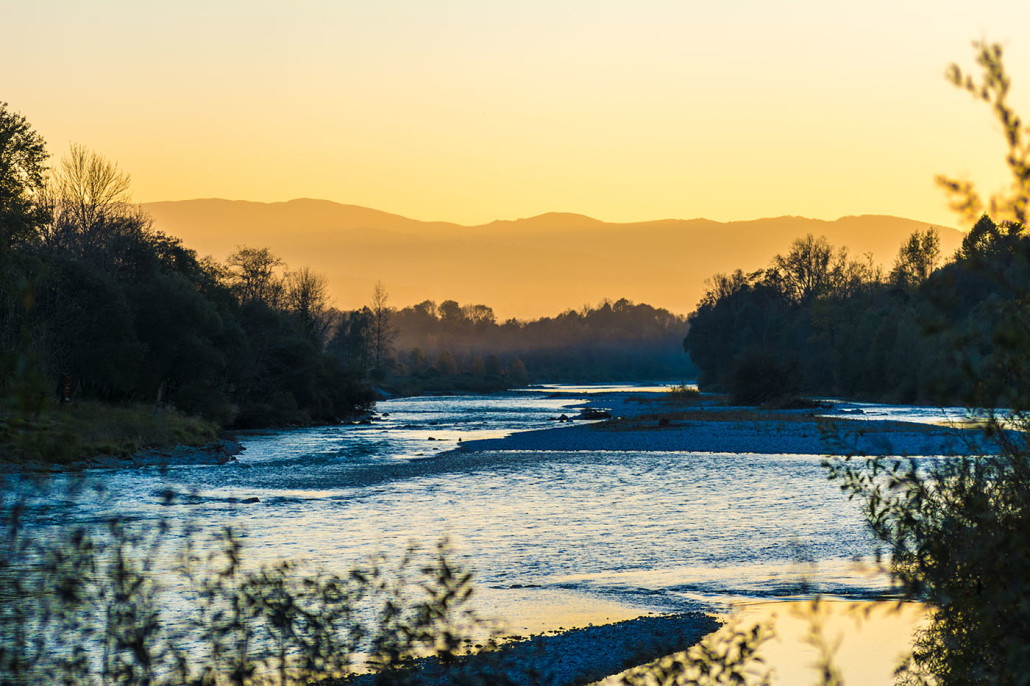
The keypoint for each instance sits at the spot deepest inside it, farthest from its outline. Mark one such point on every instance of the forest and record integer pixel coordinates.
(97, 304)
(818, 322)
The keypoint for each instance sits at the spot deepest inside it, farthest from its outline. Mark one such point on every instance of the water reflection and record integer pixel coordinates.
(657, 530)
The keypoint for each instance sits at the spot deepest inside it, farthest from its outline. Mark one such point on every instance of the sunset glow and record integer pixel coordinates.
(474, 111)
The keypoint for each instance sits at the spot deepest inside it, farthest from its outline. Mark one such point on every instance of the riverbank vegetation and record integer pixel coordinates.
(99, 309)
(817, 322)
(956, 529)
(71, 432)
(98, 306)
(117, 602)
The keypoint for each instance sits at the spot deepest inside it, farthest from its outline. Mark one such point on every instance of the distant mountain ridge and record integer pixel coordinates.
(531, 267)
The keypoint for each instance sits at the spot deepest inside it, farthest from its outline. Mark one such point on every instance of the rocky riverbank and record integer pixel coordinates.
(577, 656)
(651, 422)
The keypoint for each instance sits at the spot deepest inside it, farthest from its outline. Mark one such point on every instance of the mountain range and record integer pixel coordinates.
(522, 268)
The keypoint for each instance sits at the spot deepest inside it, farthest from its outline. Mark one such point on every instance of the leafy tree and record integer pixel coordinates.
(351, 340)
(958, 529)
(82, 326)
(23, 169)
(993, 88)
(518, 372)
(812, 269)
(805, 271)
(451, 313)
(479, 316)
(417, 361)
(186, 349)
(916, 259)
(493, 366)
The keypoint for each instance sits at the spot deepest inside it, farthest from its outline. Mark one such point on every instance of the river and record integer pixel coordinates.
(625, 532)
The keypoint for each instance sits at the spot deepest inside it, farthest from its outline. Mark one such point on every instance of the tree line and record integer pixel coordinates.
(96, 303)
(613, 341)
(817, 321)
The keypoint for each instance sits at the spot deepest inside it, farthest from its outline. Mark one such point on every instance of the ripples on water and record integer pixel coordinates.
(658, 530)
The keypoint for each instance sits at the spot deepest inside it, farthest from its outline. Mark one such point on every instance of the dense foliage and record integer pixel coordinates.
(97, 304)
(815, 322)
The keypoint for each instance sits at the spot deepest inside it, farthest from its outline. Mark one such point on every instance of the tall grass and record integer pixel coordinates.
(74, 431)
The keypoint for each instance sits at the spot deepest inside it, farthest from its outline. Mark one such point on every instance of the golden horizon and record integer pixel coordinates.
(472, 112)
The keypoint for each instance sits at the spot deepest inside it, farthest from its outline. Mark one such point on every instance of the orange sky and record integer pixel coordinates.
(477, 110)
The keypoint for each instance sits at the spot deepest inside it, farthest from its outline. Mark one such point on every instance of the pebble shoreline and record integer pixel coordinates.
(645, 423)
(584, 655)
(578, 656)
(778, 432)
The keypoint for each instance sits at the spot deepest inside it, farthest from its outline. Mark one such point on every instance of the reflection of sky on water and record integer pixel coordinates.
(659, 530)
(943, 416)
(588, 389)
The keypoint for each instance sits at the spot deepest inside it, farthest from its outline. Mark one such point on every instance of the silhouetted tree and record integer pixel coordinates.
(451, 314)
(89, 196)
(254, 276)
(381, 331)
(306, 296)
(23, 209)
(23, 169)
(916, 258)
(993, 88)
(493, 367)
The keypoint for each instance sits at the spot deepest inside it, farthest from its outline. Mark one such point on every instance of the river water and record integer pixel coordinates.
(642, 531)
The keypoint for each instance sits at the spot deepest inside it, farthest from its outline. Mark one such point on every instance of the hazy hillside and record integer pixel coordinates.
(522, 268)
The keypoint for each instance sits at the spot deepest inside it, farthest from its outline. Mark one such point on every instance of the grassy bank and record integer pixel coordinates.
(79, 430)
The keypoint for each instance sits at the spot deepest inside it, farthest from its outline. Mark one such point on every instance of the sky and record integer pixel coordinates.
(470, 111)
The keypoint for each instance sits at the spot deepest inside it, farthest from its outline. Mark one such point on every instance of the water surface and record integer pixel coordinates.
(648, 531)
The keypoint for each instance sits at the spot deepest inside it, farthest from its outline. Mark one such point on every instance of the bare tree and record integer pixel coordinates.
(253, 275)
(813, 269)
(804, 272)
(90, 207)
(92, 187)
(306, 296)
(381, 330)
